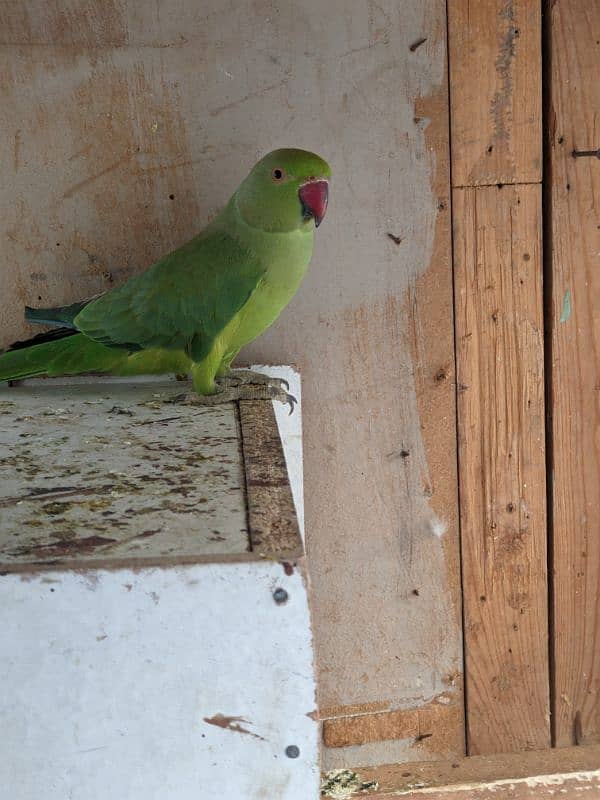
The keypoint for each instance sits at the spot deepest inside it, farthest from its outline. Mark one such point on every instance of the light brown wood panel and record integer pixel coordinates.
(495, 91)
(500, 775)
(127, 125)
(500, 377)
(575, 398)
(546, 787)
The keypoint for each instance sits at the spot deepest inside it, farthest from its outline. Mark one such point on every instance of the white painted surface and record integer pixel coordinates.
(107, 678)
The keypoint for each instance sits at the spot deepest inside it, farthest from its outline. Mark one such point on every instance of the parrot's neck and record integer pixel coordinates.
(285, 256)
(232, 211)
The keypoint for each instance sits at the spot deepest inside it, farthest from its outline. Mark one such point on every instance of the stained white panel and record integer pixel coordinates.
(109, 677)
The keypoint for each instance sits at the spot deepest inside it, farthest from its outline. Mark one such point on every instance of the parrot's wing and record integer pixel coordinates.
(183, 302)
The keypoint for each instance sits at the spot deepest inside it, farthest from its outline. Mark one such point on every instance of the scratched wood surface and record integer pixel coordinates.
(500, 376)
(495, 91)
(128, 125)
(565, 787)
(272, 520)
(495, 95)
(492, 775)
(97, 471)
(575, 377)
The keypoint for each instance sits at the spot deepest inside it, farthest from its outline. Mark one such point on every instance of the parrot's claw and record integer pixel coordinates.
(237, 377)
(231, 390)
(245, 384)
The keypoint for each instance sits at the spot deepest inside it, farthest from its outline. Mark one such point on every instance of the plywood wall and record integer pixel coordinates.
(125, 127)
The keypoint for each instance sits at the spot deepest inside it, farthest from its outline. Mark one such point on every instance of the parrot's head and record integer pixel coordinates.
(287, 190)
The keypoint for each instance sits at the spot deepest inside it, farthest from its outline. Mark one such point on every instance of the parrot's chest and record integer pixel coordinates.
(286, 263)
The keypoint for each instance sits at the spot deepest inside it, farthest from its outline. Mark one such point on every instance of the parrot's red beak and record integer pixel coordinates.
(313, 196)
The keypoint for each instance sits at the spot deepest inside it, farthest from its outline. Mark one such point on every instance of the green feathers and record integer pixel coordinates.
(63, 315)
(69, 355)
(181, 303)
(194, 309)
(268, 198)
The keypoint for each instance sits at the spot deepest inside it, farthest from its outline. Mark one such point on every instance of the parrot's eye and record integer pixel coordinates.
(278, 174)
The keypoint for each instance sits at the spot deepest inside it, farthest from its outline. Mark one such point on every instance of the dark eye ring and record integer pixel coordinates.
(277, 174)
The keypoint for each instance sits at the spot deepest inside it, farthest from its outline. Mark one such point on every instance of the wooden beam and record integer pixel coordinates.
(495, 91)
(534, 774)
(543, 787)
(575, 380)
(500, 366)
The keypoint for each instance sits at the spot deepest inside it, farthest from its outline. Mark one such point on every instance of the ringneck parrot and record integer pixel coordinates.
(192, 311)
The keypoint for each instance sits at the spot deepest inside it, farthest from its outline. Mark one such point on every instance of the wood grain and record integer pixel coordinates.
(500, 375)
(575, 323)
(494, 773)
(272, 520)
(495, 91)
(545, 787)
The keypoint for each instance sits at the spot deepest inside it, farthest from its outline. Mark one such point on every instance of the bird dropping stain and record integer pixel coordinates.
(232, 724)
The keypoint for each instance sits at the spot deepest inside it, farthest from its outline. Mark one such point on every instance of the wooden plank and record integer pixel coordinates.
(272, 519)
(115, 152)
(497, 775)
(108, 474)
(552, 786)
(575, 379)
(495, 91)
(112, 470)
(584, 785)
(500, 377)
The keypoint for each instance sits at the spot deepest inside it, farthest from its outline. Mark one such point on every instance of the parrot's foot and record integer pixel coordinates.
(238, 377)
(230, 389)
(256, 385)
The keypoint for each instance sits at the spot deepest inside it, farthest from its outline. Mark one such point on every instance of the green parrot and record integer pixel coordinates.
(192, 311)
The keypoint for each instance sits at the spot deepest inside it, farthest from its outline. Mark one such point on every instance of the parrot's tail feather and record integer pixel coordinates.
(42, 338)
(64, 354)
(60, 315)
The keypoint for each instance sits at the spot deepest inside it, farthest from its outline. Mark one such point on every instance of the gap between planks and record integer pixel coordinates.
(496, 184)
